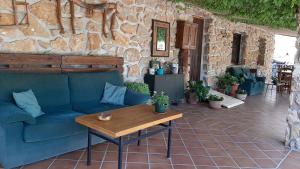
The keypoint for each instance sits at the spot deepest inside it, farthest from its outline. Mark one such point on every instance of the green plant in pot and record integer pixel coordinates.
(215, 101)
(138, 87)
(161, 102)
(227, 84)
(241, 94)
(196, 92)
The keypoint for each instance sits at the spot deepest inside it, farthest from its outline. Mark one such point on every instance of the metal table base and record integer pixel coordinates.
(120, 142)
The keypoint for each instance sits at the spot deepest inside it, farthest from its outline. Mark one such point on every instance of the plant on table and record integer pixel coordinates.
(161, 102)
(215, 101)
(138, 87)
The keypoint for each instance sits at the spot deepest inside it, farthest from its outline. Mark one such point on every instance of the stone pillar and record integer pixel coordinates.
(292, 135)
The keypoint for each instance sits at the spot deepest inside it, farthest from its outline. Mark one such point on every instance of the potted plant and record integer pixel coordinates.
(196, 92)
(228, 84)
(191, 94)
(241, 94)
(215, 101)
(161, 102)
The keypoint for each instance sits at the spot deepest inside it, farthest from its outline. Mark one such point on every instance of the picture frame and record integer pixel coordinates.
(160, 38)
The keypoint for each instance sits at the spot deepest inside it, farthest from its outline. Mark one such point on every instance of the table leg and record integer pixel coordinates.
(139, 141)
(120, 153)
(169, 139)
(89, 152)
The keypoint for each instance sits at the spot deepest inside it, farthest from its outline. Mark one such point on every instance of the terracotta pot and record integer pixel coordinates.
(192, 98)
(234, 88)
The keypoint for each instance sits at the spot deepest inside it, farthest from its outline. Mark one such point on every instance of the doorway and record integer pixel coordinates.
(196, 64)
(237, 48)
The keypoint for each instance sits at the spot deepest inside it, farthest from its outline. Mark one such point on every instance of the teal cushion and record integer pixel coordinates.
(28, 102)
(50, 89)
(53, 126)
(89, 87)
(113, 94)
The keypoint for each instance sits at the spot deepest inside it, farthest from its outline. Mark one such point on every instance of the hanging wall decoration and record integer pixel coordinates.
(105, 7)
(20, 13)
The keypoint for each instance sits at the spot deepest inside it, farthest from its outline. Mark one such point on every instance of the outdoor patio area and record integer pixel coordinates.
(248, 136)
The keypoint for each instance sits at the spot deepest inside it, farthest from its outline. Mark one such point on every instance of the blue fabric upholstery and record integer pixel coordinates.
(89, 87)
(113, 94)
(62, 97)
(10, 113)
(27, 101)
(49, 89)
(134, 98)
(253, 85)
(95, 107)
(53, 126)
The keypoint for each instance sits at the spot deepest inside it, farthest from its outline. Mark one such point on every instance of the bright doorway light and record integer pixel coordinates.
(285, 49)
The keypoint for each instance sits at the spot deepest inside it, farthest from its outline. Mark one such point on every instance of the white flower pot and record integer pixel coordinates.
(215, 104)
(241, 96)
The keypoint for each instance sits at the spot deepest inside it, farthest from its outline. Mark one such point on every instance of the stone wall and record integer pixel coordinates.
(133, 34)
(292, 134)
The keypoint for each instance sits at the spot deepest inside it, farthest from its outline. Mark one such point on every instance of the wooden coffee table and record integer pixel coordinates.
(126, 121)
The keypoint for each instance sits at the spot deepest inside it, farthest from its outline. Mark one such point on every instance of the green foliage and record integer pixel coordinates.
(227, 80)
(213, 97)
(198, 88)
(138, 87)
(274, 13)
(160, 98)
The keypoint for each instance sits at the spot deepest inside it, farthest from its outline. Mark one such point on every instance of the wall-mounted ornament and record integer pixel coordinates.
(19, 15)
(90, 7)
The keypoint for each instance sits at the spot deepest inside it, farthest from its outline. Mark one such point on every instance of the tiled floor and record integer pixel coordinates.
(249, 136)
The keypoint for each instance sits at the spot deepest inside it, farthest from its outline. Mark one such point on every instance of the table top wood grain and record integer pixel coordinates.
(127, 120)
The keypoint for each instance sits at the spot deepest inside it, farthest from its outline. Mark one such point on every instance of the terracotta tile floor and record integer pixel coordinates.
(248, 136)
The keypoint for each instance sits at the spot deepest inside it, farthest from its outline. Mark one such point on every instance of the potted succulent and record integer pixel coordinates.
(161, 102)
(215, 101)
(241, 94)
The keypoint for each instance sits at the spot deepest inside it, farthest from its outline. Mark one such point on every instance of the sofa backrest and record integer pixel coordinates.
(89, 87)
(51, 89)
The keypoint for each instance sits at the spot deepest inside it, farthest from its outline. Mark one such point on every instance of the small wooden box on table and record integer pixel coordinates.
(126, 121)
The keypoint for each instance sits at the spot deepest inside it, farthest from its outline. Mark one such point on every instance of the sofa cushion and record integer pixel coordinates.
(49, 89)
(113, 94)
(95, 107)
(53, 126)
(89, 87)
(27, 101)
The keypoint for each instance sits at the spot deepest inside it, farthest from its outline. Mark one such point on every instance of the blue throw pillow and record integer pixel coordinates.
(28, 102)
(113, 94)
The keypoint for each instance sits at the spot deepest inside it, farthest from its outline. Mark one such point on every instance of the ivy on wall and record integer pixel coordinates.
(273, 13)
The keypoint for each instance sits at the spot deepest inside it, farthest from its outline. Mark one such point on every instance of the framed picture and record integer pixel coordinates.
(160, 38)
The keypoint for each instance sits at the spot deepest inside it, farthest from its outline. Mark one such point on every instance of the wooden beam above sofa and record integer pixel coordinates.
(16, 62)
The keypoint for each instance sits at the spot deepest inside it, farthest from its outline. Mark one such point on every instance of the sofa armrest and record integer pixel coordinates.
(10, 113)
(133, 98)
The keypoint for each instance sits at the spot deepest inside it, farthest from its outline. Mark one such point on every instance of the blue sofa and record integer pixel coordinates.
(253, 85)
(63, 97)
